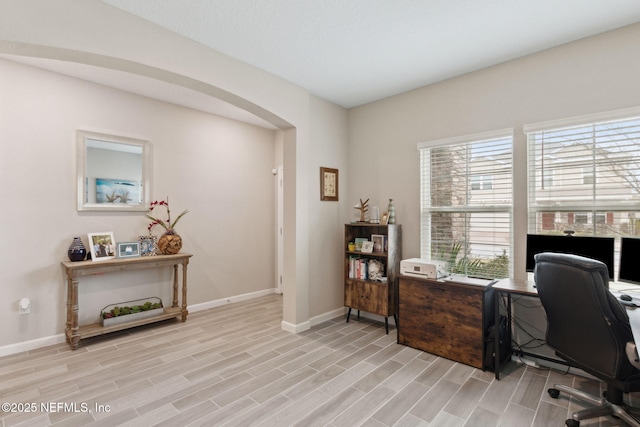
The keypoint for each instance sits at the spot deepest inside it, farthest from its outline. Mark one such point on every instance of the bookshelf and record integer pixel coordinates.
(371, 274)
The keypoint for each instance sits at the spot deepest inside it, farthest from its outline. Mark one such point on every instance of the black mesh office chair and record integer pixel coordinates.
(589, 328)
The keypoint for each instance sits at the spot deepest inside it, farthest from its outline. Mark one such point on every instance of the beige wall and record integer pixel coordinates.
(592, 75)
(91, 32)
(217, 168)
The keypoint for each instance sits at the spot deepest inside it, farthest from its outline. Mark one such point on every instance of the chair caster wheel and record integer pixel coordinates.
(572, 423)
(554, 393)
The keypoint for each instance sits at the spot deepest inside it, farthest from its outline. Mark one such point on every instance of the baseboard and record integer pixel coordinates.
(31, 345)
(224, 301)
(295, 328)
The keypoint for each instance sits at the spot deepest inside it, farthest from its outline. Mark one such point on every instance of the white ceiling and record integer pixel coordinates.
(352, 52)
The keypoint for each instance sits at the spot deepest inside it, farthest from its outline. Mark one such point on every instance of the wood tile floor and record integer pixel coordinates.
(235, 366)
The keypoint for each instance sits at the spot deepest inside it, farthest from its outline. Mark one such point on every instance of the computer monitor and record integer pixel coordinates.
(599, 248)
(629, 260)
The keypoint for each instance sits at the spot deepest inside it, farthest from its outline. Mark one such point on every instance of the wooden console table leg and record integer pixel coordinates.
(175, 286)
(72, 329)
(185, 311)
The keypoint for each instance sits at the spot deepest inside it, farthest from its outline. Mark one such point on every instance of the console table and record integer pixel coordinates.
(75, 270)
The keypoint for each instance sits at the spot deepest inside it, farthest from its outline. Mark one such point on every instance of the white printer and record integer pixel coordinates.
(425, 268)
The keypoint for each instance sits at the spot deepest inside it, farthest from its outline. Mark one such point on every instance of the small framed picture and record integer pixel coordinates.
(385, 219)
(128, 249)
(367, 247)
(148, 245)
(102, 246)
(358, 242)
(328, 184)
(378, 242)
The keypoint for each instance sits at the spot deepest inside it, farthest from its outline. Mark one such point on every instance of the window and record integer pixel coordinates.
(596, 170)
(481, 182)
(466, 203)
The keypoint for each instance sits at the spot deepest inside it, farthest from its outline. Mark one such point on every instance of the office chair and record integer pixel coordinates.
(588, 328)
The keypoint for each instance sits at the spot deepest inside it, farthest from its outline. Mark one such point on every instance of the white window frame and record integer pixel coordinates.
(485, 180)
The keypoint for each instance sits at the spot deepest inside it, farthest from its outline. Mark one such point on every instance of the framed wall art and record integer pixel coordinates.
(328, 184)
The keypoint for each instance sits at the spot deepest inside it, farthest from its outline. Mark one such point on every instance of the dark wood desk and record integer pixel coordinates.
(508, 287)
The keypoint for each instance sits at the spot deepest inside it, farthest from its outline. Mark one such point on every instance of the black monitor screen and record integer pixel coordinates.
(599, 248)
(629, 260)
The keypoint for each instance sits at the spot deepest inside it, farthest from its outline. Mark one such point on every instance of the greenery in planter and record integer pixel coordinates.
(123, 311)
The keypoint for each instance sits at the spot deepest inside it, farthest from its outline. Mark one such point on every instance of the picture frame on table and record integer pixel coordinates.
(102, 245)
(148, 245)
(128, 249)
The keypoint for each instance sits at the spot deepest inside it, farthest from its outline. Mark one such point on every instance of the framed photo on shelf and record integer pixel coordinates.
(128, 249)
(358, 242)
(329, 184)
(367, 247)
(102, 246)
(148, 245)
(378, 242)
(385, 219)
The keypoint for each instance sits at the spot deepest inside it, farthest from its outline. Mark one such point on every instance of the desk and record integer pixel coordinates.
(445, 317)
(75, 270)
(508, 287)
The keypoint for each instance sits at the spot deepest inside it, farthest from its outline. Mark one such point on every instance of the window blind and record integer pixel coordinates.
(585, 178)
(466, 195)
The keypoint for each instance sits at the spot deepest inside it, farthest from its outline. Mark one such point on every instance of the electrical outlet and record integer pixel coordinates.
(24, 306)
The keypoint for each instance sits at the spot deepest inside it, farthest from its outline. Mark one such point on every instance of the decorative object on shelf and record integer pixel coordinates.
(376, 270)
(363, 207)
(392, 212)
(351, 246)
(170, 242)
(148, 245)
(128, 249)
(378, 242)
(385, 218)
(123, 312)
(102, 246)
(329, 184)
(367, 247)
(375, 215)
(77, 251)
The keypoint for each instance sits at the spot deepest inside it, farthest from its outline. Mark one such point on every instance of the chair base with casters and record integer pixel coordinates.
(612, 405)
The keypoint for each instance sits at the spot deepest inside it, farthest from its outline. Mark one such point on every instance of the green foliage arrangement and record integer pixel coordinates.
(123, 311)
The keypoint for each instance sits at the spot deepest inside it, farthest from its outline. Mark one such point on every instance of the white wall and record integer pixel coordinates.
(592, 75)
(217, 168)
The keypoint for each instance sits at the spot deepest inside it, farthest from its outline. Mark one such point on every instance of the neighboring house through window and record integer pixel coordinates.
(466, 203)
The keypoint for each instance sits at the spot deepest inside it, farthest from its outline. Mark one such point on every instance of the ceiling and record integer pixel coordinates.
(352, 52)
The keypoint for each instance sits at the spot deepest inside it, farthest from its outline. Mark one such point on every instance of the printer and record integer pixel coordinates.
(425, 268)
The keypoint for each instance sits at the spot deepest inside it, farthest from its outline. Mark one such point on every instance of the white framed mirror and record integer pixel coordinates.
(113, 172)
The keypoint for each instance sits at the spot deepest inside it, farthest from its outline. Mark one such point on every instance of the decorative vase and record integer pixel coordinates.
(77, 251)
(392, 212)
(170, 243)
